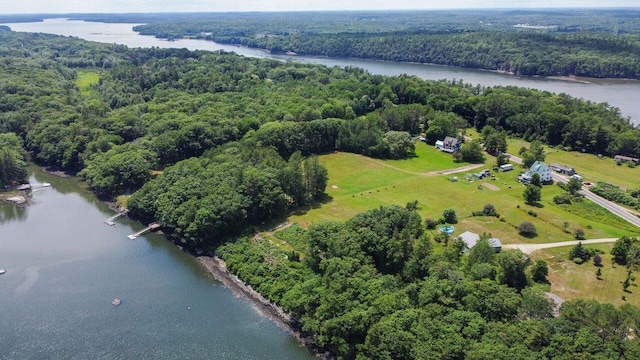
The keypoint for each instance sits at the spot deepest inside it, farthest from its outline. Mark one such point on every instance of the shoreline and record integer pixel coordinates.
(565, 78)
(218, 270)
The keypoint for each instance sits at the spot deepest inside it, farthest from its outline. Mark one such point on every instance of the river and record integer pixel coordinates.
(623, 94)
(65, 266)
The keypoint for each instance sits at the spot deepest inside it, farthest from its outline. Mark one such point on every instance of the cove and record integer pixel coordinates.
(65, 266)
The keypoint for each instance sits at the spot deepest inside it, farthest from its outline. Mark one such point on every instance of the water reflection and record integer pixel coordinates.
(10, 212)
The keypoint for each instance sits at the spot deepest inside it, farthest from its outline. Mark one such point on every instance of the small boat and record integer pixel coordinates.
(116, 302)
(2, 271)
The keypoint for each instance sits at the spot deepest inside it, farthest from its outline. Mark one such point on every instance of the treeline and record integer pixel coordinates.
(529, 54)
(13, 168)
(586, 42)
(255, 24)
(373, 288)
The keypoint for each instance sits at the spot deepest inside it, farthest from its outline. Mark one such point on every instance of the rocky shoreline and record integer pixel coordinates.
(218, 269)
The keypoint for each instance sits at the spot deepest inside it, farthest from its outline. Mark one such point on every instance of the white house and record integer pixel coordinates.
(539, 168)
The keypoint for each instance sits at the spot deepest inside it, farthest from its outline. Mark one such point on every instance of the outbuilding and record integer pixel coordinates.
(471, 239)
(506, 167)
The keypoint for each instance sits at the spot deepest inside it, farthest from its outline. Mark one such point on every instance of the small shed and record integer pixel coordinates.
(562, 169)
(472, 238)
(626, 158)
(506, 167)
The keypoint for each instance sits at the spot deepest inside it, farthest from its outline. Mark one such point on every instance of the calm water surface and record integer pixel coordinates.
(65, 266)
(619, 93)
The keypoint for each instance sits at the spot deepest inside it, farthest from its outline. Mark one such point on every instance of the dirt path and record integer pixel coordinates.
(529, 248)
(490, 186)
(455, 170)
(428, 173)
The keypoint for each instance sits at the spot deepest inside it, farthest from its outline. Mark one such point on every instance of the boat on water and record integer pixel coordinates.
(2, 271)
(116, 302)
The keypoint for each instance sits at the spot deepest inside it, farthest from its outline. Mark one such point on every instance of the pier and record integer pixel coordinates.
(151, 227)
(110, 221)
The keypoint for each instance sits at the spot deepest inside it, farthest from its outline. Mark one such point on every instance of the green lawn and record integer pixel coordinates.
(357, 183)
(589, 166)
(85, 80)
(571, 281)
(427, 159)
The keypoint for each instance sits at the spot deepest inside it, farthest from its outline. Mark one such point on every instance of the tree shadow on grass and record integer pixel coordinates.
(280, 221)
(528, 235)
(536, 204)
(315, 204)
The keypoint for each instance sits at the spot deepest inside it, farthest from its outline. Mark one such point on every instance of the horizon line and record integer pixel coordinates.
(329, 10)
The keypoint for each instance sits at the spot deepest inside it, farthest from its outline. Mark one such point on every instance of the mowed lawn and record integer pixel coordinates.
(589, 166)
(570, 280)
(357, 184)
(427, 159)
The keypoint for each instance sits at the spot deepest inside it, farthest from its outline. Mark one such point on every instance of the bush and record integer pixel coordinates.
(489, 210)
(563, 198)
(450, 216)
(430, 223)
(581, 252)
(597, 260)
(528, 229)
(614, 193)
(539, 271)
(532, 213)
(578, 233)
(578, 260)
(293, 256)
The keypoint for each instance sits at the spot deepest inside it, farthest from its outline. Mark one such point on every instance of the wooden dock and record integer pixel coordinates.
(151, 227)
(110, 221)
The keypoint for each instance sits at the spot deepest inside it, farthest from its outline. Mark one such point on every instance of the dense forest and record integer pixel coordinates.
(528, 54)
(212, 144)
(589, 43)
(373, 288)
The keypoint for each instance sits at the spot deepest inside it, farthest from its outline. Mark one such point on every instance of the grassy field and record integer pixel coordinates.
(358, 183)
(589, 166)
(438, 160)
(85, 80)
(571, 281)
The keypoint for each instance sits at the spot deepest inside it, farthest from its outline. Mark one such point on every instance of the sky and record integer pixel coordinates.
(124, 6)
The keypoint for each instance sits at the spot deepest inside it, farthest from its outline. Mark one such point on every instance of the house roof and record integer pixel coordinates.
(472, 238)
(626, 158)
(563, 167)
(539, 167)
(451, 141)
